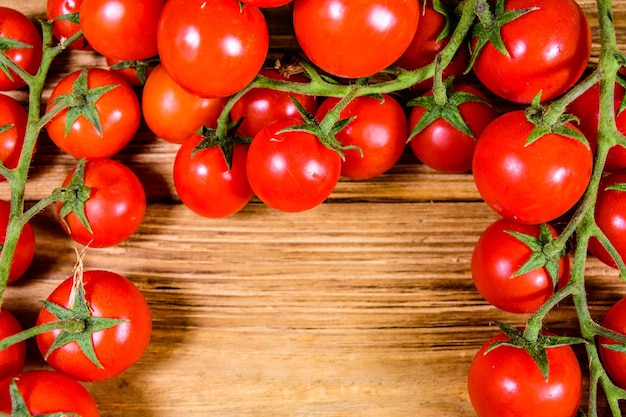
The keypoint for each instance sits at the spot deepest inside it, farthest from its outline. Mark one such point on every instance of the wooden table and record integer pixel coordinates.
(363, 306)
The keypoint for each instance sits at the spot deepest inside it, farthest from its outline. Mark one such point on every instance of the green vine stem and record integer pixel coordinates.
(70, 325)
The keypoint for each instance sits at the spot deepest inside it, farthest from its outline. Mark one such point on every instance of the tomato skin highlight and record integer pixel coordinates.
(217, 39)
(117, 348)
(496, 258)
(119, 111)
(115, 208)
(15, 25)
(46, 392)
(122, 29)
(506, 382)
(533, 183)
(12, 358)
(204, 182)
(372, 33)
(291, 171)
(549, 51)
(379, 129)
(173, 113)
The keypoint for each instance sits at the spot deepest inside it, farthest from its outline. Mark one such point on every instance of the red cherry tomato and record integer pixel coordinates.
(614, 362)
(260, 106)
(63, 29)
(109, 295)
(12, 358)
(173, 113)
(26, 244)
(379, 129)
(519, 185)
(13, 119)
(354, 38)
(48, 392)
(115, 208)
(118, 109)
(15, 25)
(204, 182)
(549, 49)
(122, 29)
(506, 381)
(442, 146)
(225, 42)
(496, 259)
(291, 171)
(610, 215)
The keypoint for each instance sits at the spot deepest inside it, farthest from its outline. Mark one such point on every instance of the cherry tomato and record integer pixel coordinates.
(549, 49)
(426, 45)
(204, 182)
(122, 29)
(260, 106)
(614, 362)
(118, 110)
(26, 244)
(496, 259)
(12, 358)
(442, 146)
(354, 38)
(16, 26)
(48, 392)
(173, 113)
(225, 42)
(379, 129)
(115, 208)
(610, 215)
(109, 295)
(587, 109)
(291, 171)
(63, 29)
(13, 118)
(506, 381)
(529, 183)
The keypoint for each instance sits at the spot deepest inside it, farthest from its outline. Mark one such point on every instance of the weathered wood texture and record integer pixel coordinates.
(363, 306)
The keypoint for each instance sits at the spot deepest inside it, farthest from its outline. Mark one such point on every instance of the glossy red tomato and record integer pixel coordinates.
(204, 182)
(109, 295)
(26, 244)
(48, 392)
(614, 362)
(426, 45)
(115, 208)
(442, 146)
(173, 113)
(15, 25)
(122, 29)
(506, 381)
(496, 259)
(13, 119)
(260, 106)
(610, 215)
(291, 171)
(529, 183)
(118, 110)
(587, 109)
(63, 29)
(223, 41)
(266, 3)
(12, 358)
(549, 49)
(379, 129)
(354, 38)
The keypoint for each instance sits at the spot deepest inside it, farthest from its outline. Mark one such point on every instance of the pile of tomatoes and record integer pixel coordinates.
(374, 76)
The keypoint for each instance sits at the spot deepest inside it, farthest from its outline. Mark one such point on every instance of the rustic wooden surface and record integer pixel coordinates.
(363, 306)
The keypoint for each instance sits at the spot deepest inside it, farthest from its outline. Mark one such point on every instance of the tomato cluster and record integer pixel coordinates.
(374, 77)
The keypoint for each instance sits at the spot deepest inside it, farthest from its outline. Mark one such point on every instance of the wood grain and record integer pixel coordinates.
(363, 306)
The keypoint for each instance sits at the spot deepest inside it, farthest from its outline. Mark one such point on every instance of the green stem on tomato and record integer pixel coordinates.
(70, 325)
